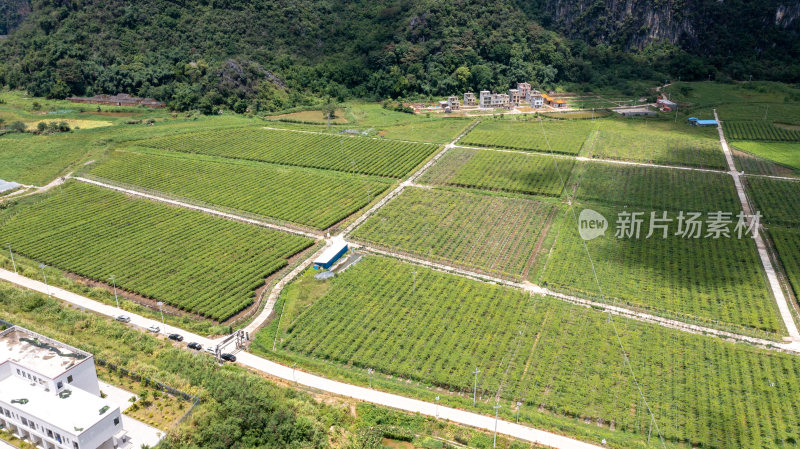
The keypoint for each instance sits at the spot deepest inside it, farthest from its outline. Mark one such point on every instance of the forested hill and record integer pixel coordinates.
(277, 54)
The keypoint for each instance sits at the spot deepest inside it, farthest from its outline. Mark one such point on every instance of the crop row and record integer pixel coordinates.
(717, 282)
(491, 234)
(557, 136)
(654, 188)
(759, 130)
(775, 199)
(309, 197)
(641, 145)
(201, 264)
(555, 358)
(530, 173)
(342, 153)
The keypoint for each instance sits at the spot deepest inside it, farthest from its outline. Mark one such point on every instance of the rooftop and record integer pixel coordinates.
(37, 352)
(337, 245)
(7, 185)
(72, 412)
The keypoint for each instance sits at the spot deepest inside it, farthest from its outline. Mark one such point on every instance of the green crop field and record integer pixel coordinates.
(784, 153)
(311, 197)
(529, 173)
(563, 136)
(776, 199)
(557, 359)
(654, 187)
(716, 282)
(787, 243)
(343, 153)
(753, 164)
(759, 130)
(657, 143)
(198, 263)
(490, 234)
(440, 130)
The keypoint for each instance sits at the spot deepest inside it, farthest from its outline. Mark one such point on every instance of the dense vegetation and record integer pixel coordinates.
(784, 153)
(718, 282)
(269, 55)
(490, 234)
(557, 359)
(655, 188)
(314, 198)
(567, 137)
(526, 173)
(206, 265)
(753, 130)
(776, 199)
(305, 149)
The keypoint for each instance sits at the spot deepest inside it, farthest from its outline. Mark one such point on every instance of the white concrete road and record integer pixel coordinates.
(320, 383)
(772, 277)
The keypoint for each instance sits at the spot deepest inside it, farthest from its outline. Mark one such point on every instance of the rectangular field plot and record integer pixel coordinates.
(654, 188)
(784, 153)
(490, 234)
(776, 199)
(315, 198)
(437, 131)
(561, 361)
(530, 173)
(198, 263)
(343, 153)
(563, 136)
(656, 144)
(787, 243)
(715, 282)
(759, 130)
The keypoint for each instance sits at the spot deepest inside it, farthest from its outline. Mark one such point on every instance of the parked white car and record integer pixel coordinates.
(123, 318)
(154, 329)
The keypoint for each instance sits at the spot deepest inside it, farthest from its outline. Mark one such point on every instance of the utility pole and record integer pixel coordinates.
(475, 386)
(496, 409)
(12, 259)
(294, 365)
(41, 265)
(437, 407)
(114, 282)
(519, 404)
(370, 377)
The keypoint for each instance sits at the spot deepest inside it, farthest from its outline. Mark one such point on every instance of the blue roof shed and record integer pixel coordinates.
(697, 122)
(331, 254)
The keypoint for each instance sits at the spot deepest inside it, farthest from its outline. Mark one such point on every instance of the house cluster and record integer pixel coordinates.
(118, 100)
(486, 99)
(50, 395)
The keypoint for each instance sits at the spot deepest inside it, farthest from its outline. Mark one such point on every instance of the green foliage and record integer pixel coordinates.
(500, 171)
(314, 198)
(776, 199)
(759, 131)
(190, 260)
(716, 282)
(343, 153)
(559, 360)
(664, 189)
(787, 243)
(567, 137)
(784, 153)
(490, 234)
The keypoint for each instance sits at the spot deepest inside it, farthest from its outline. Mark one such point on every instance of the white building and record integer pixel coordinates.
(49, 395)
(535, 98)
(486, 99)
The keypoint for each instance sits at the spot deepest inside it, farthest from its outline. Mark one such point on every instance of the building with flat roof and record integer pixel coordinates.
(535, 98)
(50, 396)
(523, 89)
(635, 111)
(331, 254)
(469, 99)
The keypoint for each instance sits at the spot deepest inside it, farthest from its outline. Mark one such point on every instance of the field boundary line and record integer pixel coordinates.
(591, 159)
(604, 307)
(347, 135)
(408, 182)
(321, 383)
(772, 277)
(207, 210)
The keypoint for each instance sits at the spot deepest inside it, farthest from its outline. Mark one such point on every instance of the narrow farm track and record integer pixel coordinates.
(207, 210)
(772, 277)
(321, 383)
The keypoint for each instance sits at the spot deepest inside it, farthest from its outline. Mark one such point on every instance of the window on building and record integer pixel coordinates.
(24, 421)
(69, 379)
(60, 384)
(18, 372)
(49, 433)
(74, 445)
(116, 421)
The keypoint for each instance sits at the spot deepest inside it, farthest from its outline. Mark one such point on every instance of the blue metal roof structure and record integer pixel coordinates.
(696, 122)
